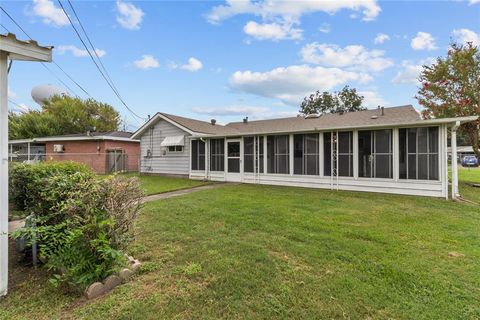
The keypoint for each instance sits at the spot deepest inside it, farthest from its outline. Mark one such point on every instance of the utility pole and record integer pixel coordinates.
(10, 49)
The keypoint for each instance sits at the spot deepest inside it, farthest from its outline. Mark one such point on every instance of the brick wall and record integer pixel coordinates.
(94, 153)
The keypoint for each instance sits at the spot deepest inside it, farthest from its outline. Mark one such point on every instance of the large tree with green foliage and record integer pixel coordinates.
(345, 100)
(451, 88)
(63, 115)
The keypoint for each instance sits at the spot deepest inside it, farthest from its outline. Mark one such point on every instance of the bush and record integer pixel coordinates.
(26, 181)
(83, 223)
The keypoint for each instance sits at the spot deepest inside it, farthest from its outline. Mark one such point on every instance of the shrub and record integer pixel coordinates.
(26, 181)
(83, 223)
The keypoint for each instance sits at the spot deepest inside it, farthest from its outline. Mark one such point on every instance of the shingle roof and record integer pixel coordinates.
(116, 134)
(199, 126)
(392, 116)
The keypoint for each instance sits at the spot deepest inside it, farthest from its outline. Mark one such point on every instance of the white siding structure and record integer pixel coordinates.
(157, 159)
(388, 150)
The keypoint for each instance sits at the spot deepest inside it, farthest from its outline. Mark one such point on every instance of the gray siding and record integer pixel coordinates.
(161, 160)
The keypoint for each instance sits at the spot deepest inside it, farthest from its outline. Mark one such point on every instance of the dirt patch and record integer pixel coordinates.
(455, 254)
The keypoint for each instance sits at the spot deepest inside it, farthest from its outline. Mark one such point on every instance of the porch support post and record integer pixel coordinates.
(455, 193)
(28, 151)
(3, 174)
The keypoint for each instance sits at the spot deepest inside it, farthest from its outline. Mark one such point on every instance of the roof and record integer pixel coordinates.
(109, 135)
(24, 50)
(405, 115)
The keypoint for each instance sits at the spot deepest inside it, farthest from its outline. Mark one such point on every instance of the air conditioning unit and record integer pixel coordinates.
(58, 148)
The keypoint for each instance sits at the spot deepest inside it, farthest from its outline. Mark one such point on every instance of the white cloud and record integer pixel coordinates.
(272, 31)
(325, 28)
(290, 84)
(193, 65)
(129, 16)
(353, 56)
(410, 72)
(372, 99)
(253, 112)
(473, 2)
(77, 52)
(423, 41)
(147, 62)
(466, 35)
(51, 14)
(290, 10)
(381, 38)
(231, 111)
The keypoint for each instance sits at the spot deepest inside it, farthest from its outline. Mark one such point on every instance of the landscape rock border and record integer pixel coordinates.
(98, 289)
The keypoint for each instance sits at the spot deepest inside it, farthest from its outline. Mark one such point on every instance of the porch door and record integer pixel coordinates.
(234, 161)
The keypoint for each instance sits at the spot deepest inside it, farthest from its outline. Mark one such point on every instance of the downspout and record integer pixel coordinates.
(455, 193)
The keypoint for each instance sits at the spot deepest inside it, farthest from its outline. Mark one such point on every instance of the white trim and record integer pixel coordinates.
(79, 138)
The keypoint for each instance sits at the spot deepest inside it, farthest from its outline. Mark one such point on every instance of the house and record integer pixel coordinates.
(390, 150)
(104, 152)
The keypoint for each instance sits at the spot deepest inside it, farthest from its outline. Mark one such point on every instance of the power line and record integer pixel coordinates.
(96, 64)
(44, 65)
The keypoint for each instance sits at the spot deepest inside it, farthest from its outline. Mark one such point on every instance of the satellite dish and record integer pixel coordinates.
(45, 92)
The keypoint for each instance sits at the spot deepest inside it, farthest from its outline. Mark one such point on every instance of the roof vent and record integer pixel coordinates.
(245, 120)
(312, 116)
(383, 111)
(374, 117)
(213, 121)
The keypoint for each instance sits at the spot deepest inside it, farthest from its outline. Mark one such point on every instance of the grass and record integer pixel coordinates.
(263, 252)
(466, 177)
(153, 184)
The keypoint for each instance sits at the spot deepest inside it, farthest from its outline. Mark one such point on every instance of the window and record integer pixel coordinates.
(253, 147)
(278, 151)
(419, 153)
(198, 155)
(175, 148)
(375, 157)
(305, 154)
(344, 152)
(217, 155)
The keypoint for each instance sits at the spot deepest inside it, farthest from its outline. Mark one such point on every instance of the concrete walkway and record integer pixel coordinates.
(14, 225)
(177, 193)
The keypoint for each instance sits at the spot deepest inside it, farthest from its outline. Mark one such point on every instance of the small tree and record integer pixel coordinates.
(346, 100)
(64, 115)
(451, 88)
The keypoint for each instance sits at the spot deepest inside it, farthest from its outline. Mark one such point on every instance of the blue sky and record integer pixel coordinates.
(227, 60)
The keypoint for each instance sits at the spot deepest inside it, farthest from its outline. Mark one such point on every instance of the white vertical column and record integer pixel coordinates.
(454, 161)
(28, 154)
(321, 156)
(265, 155)
(396, 154)
(3, 174)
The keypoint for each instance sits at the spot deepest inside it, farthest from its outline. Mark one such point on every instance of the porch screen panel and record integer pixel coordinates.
(327, 153)
(305, 154)
(345, 153)
(198, 155)
(375, 154)
(278, 152)
(252, 147)
(217, 155)
(419, 158)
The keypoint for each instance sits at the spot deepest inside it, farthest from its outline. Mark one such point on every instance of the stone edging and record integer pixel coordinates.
(98, 289)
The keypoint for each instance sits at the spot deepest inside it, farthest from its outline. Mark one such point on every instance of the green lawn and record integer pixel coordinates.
(467, 176)
(160, 184)
(264, 252)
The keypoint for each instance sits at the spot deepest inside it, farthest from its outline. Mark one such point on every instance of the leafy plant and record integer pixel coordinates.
(83, 223)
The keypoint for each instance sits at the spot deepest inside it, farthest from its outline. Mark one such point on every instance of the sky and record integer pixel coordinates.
(231, 59)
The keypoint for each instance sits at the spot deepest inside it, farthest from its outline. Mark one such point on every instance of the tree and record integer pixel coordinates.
(64, 115)
(451, 88)
(347, 100)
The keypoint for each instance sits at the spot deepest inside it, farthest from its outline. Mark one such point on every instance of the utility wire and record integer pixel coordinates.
(96, 64)
(44, 65)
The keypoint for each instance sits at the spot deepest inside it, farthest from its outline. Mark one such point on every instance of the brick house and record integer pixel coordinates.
(104, 152)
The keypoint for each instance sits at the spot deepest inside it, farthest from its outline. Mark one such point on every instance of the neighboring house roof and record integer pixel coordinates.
(393, 116)
(110, 135)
